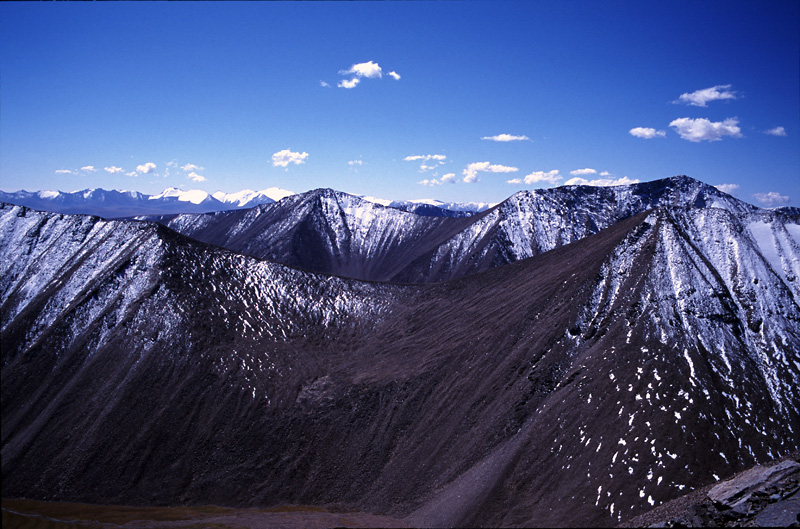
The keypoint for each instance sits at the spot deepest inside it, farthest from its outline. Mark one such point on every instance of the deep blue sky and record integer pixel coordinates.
(225, 86)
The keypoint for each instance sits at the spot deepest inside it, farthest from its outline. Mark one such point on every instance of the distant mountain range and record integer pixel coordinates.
(574, 356)
(172, 201)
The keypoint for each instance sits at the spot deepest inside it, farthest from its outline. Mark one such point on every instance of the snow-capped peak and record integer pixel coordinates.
(195, 196)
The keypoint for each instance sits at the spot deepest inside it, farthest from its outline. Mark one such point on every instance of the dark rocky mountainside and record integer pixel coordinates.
(582, 386)
(336, 233)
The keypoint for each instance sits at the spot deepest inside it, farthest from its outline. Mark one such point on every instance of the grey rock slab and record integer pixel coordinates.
(733, 492)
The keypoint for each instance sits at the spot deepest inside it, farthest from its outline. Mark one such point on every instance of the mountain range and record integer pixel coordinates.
(172, 201)
(570, 357)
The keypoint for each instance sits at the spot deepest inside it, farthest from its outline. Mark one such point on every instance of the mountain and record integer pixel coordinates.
(335, 233)
(172, 201)
(120, 204)
(582, 386)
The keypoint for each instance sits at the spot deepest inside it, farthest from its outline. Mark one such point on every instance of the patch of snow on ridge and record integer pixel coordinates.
(762, 235)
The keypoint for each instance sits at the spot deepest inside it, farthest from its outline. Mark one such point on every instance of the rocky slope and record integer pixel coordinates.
(582, 386)
(336, 233)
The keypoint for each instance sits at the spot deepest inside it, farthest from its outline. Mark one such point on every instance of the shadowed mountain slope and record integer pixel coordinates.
(336, 233)
(582, 386)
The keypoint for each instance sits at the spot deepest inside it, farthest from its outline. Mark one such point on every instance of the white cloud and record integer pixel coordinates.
(394, 75)
(425, 157)
(63, 171)
(349, 84)
(369, 70)
(771, 199)
(728, 188)
(449, 178)
(147, 168)
(189, 167)
(472, 170)
(173, 163)
(355, 162)
(777, 131)
(195, 177)
(699, 98)
(324, 84)
(505, 137)
(132, 173)
(647, 133)
(432, 182)
(113, 169)
(89, 169)
(600, 182)
(701, 129)
(438, 158)
(285, 157)
(551, 177)
(582, 171)
(605, 173)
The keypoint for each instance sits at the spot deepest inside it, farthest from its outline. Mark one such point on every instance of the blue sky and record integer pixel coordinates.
(400, 100)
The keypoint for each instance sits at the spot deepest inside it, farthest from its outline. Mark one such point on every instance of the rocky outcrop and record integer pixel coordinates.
(762, 496)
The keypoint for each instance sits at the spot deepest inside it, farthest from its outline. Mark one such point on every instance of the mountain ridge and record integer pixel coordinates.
(481, 388)
(336, 233)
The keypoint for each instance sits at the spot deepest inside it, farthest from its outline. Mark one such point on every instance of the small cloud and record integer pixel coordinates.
(777, 131)
(348, 84)
(551, 177)
(89, 169)
(449, 178)
(173, 163)
(432, 182)
(355, 162)
(699, 98)
(728, 188)
(147, 168)
(324, 84)
(113, 169)
(600, 182)
(63, 171)
(132, 173)
(647, 133)
(394, 75)
(771, 199)
(425, 157)
(701, 129)
(195, 177)
(605, 173)
(285, 157)
(369, 70)
(505, 137)
(582, 171)
(438, 158)
(189, 167)
(472, 170)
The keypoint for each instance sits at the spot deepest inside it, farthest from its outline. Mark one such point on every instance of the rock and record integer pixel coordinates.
(781, 514)
(734, 492)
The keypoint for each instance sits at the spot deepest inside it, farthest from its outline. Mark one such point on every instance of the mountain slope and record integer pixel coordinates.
(582, 386)
(325, 231)
(335, 233)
